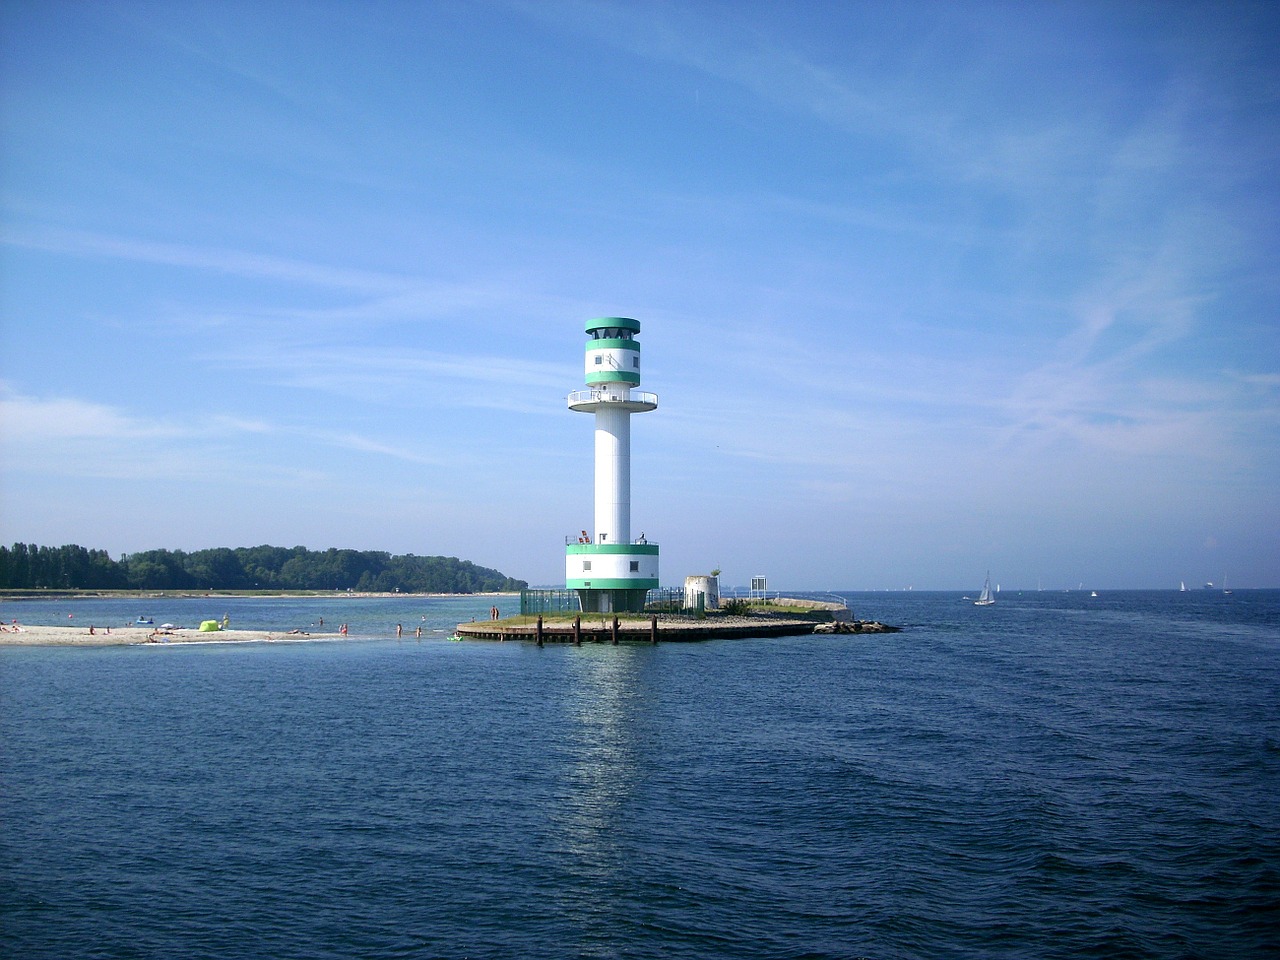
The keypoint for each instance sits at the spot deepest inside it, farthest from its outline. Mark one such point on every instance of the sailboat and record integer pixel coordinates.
(1182, 588)
(985, 599)
(1225, 591)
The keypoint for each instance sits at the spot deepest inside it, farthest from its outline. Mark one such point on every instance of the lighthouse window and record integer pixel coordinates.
(635, 362)
(635, 566)
(586, 565)
(599, 359)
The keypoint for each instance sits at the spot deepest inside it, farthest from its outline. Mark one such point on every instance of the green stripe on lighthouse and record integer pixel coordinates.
(613, 376)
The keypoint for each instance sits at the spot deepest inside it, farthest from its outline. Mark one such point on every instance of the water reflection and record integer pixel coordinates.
(605, 755)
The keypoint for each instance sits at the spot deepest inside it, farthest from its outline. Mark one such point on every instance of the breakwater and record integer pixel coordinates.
(661, 628)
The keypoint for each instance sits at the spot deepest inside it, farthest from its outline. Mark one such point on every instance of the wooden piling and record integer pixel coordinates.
(538, 630)
(614, 631)
(653, 629)
(577, 630)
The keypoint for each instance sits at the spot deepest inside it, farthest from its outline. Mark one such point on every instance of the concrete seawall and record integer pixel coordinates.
(659, 628)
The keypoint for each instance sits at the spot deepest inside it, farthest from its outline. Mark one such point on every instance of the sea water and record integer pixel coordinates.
(1054, 776)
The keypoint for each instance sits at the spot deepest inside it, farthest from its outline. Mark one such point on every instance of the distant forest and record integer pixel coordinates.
(72, 567)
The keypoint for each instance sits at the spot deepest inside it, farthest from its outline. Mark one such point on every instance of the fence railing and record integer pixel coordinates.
(602, 396)
(661, 600)
(549, 601)
(585, 537)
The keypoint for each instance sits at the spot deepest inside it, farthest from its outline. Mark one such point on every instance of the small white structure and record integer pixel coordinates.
(705, 585)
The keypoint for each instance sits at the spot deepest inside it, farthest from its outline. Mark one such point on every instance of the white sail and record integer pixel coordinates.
(985, 599)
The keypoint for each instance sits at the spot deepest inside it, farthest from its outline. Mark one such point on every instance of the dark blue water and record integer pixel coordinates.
(1055, 776)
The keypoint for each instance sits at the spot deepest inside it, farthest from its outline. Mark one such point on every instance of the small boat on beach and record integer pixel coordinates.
(142, 621)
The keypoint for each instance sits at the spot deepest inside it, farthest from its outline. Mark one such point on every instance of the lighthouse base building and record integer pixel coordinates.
(609, 570)
(611, 577)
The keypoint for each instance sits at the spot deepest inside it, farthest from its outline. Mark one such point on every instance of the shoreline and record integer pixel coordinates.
(47, 636)
(17, 595)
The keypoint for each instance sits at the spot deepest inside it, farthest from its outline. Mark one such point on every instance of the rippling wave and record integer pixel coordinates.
(1045, 778)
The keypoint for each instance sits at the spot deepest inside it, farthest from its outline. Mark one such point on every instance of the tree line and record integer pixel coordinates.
(72, 567)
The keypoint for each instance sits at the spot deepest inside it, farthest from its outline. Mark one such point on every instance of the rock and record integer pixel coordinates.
(856, 626)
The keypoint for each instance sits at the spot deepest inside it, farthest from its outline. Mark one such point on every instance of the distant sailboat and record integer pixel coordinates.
(1225, 591)
(1182, 586)
(985, 599)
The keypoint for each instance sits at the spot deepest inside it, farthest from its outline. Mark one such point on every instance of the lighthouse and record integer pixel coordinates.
(610, 571)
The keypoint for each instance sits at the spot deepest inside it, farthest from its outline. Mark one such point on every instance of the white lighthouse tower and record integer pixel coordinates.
(610, 571)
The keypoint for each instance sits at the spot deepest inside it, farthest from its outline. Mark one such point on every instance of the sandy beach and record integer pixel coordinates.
(81, 637)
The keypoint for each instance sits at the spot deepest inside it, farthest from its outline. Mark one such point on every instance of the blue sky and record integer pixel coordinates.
(925, 289)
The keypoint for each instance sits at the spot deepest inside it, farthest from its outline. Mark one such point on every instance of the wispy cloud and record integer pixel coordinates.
(408, 376)
(239, 263)
(74, 437)
(361, 444)
(29, 419)
(860, 94)
(355, 298)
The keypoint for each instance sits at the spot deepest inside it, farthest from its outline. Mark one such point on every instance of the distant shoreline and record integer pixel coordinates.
(230, 594)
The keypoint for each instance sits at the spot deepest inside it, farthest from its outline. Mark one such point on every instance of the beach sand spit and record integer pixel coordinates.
(80, 636)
